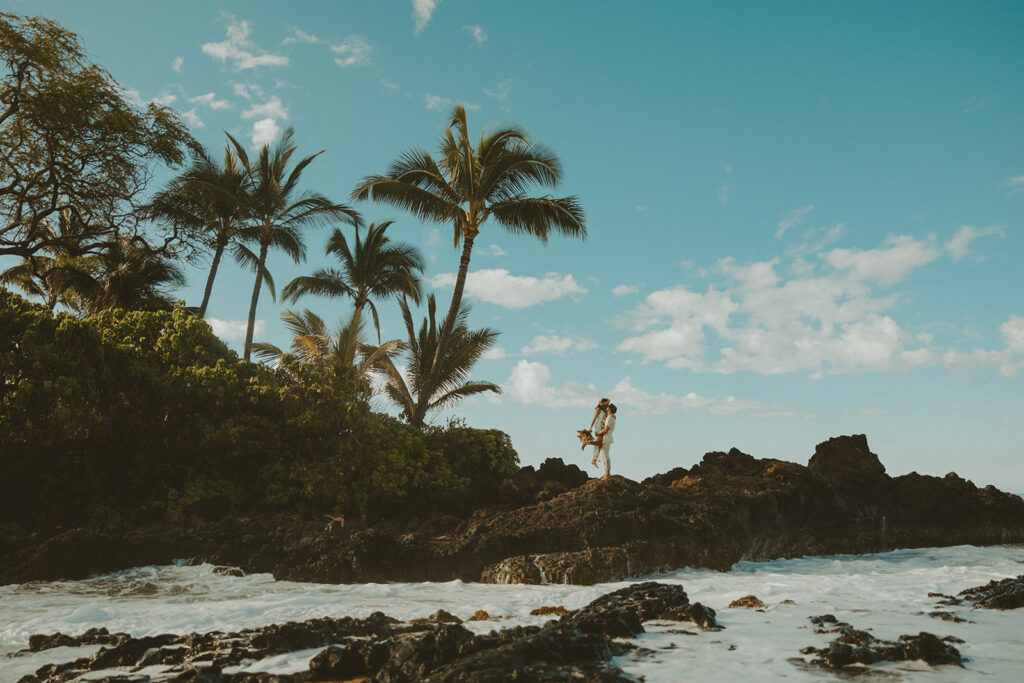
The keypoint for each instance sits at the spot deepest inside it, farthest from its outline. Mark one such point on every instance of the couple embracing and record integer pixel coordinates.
(604, 422)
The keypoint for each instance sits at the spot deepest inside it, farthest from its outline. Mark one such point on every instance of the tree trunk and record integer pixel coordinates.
(209, 279)
(255, 300)
(423, 400)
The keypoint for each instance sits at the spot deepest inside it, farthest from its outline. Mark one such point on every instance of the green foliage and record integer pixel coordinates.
(151, 413)
(71, 141)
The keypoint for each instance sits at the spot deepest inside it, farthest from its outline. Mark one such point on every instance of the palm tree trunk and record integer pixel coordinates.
(209, 279)
(255, 300)
(423, 400)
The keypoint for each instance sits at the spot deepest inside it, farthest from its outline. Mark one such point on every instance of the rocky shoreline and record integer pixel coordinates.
(555, 525)
(578, 645)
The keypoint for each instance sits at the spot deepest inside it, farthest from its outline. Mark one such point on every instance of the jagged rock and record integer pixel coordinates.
(731, 506)
(480, 615)
(1004, 594)
(546, 610)
(854, 647)
(228, 571)
(747, 602)
(577, 646)
(847, 457)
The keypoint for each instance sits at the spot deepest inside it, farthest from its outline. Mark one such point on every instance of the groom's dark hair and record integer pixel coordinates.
(611, 407)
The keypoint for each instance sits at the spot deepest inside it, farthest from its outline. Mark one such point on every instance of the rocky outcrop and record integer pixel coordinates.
(554, 525)
(578, 646)
(854, 649)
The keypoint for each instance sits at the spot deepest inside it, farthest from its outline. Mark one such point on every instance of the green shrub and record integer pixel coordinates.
(151, 413)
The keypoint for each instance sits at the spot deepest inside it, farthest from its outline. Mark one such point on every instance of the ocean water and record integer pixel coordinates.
(885, 593)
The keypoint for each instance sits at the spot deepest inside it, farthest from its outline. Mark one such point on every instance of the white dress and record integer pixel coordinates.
(606, 443)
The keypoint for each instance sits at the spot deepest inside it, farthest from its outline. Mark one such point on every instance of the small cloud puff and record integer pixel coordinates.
(234, 329)
(478, 33)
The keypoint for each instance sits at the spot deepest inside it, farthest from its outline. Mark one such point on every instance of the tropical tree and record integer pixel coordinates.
(71, 140)
(431, 382)
(375, 268)
(277, 213)
(332, 354)
(206, 200)
(466, 187)
(51, 273)
(128, 274)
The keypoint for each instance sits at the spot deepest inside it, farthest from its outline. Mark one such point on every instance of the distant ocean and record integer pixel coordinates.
(886, 593)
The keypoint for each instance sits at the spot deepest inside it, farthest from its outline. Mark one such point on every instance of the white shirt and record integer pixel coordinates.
(609, 424)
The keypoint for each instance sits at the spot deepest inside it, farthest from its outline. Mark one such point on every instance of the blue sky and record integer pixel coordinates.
(804, 217)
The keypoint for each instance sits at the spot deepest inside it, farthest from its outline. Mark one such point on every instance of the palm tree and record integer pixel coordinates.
(466, 187)
(331, 354)
(130, 274)
(427, 386)
(209, 198)
(275, 217)
(49, 273)
(377, 268)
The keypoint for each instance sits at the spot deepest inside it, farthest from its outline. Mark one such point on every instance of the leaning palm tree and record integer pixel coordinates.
(376, 268)
(425, 386)
(331, 354)
(467, 187)
(208, 198)
(275, 216)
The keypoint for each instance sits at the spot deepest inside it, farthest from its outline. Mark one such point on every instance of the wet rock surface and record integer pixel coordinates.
(577, 646)
(1004, 594)
(854, 647)
(553, 524)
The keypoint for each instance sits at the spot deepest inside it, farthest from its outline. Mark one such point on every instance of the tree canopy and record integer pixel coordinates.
(71, 140)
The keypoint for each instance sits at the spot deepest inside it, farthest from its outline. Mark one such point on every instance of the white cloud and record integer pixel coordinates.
(239, 50)
(388, 84)
(210, 100)
(247, 90)
(177, 64)
(265, 132)
(300, 36)
(1013, 333)
(1015, 185)
(723, 193)
(726, 168)
(529, 384)
(495, 250)
(422, 11)
(234, 329)
(495, 353)
(886, 266)
(641, 207)
(478, 33)
(499, 287)
(501, 90)
(959, 246)
(164, 100)
(818, 323)
(624, 290)
(192, 119)
(272, 108)
(793, 218)
(557, 345)
(438, 103)
(355, 51)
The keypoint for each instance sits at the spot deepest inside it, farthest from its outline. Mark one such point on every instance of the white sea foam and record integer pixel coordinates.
(884, 593)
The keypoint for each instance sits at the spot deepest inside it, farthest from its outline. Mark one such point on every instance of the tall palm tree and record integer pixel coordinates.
(275, 216)
(429, 382)
(377, 268)
(467, 187)
(330, 353)
(208, 197)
